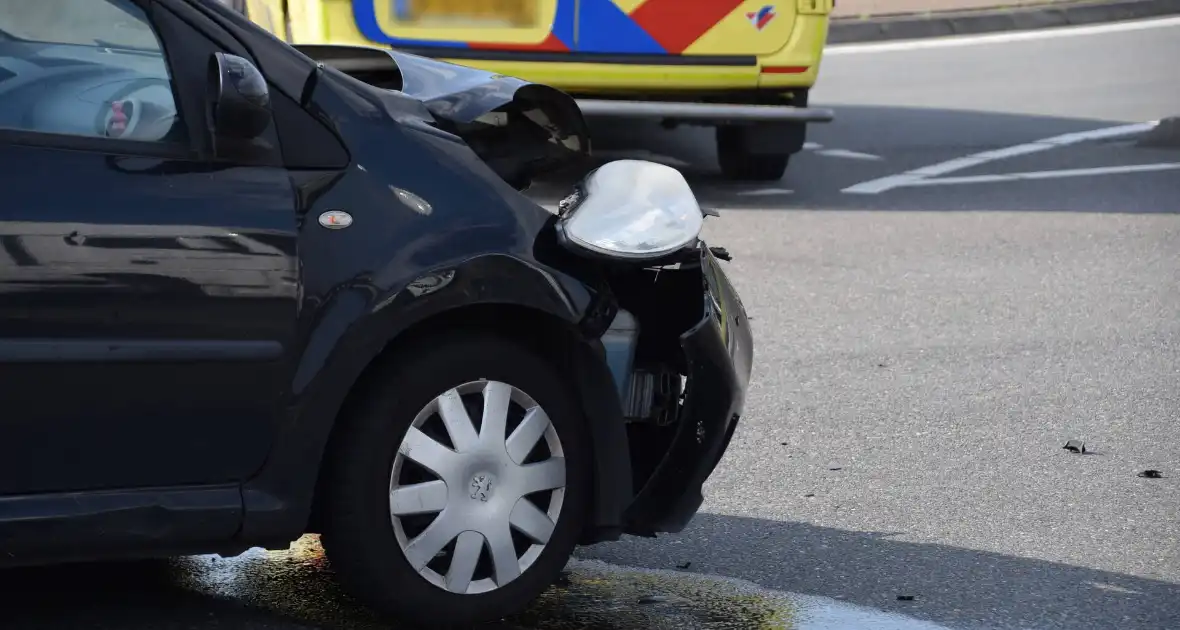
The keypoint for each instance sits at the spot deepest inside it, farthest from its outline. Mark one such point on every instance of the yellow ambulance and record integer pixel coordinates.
(742, 66)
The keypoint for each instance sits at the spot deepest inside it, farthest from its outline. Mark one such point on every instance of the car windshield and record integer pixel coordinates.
(110, 23)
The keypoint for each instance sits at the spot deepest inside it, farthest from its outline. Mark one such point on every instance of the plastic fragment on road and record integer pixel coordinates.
(1075, 446)
(1151, 474)
(655, 599)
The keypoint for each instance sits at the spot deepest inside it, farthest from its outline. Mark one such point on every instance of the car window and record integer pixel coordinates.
(85, 67)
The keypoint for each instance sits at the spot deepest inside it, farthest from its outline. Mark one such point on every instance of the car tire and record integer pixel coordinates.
(371, 549)
(737, 163)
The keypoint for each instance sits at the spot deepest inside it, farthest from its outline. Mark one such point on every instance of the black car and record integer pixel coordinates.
(249, 292)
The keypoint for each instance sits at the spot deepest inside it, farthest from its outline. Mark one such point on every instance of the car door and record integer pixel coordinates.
(148, 285)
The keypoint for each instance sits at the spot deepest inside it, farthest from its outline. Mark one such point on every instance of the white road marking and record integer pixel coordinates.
(764, 192)
(912, 178)
(852, 155)
(1034, 175)
(996, 38)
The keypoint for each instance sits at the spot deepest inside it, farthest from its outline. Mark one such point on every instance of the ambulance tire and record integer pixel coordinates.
(738, 164)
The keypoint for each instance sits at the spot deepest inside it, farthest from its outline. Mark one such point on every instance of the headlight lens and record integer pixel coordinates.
(635, 210)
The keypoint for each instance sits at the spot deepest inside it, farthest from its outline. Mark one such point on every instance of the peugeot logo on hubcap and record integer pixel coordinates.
(335, 219)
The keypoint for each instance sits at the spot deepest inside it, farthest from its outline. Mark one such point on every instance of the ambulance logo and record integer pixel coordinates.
(762, 17)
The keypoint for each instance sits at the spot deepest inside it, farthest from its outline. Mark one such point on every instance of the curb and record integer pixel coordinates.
(1165, 135)
(942, 24)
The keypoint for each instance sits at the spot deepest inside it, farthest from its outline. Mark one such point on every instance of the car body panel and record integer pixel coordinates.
(396, 265)
(311, 309)
(164, 293)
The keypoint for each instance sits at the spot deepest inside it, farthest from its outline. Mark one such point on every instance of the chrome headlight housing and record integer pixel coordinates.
(631, 210)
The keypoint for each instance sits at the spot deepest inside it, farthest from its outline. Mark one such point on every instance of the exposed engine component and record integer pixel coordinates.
(620, 342)
(654, 396)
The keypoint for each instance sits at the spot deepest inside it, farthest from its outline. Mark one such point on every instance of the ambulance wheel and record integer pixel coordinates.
(738, 164)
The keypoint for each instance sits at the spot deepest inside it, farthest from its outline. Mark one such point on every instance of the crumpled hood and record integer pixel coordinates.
(521, 129)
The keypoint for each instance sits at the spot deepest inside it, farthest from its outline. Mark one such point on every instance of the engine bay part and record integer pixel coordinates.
(654, 396)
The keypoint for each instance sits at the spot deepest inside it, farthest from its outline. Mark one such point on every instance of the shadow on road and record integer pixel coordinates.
(950, 585)
(893, 140)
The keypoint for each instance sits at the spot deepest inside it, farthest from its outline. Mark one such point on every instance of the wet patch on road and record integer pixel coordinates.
(294, 590)
(297, 584)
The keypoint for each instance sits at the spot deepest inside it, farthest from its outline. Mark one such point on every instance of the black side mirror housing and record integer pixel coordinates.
(238, 98)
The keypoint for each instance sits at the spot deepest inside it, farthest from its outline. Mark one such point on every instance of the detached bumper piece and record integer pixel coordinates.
(719, 353)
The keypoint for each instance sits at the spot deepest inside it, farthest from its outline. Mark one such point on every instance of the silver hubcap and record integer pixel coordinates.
(477, 486)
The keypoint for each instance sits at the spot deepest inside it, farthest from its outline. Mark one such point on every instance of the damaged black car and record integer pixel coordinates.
(250, 292)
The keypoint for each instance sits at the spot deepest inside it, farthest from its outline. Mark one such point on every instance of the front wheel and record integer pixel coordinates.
(457, 491)
(738, 163)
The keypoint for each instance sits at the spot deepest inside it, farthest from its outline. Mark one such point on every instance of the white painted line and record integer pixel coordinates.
(852, 155)
(764, 192)
(998, 38)
(1035, 175)
(911, 178)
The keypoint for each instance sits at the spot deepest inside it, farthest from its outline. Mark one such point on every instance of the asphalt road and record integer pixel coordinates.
(925, 348)
(924, 352)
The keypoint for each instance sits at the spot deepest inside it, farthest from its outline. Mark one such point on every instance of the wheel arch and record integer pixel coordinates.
(557, 341)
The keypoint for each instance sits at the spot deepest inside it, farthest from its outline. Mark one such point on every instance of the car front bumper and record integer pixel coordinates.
(719, 353)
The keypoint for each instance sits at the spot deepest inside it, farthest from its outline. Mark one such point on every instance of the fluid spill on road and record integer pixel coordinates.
(294, 590)
(592, 596)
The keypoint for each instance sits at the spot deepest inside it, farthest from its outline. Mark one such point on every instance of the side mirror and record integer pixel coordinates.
(239, 101)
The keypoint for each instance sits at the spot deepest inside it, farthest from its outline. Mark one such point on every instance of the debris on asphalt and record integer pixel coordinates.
(721, 253)
(684, 566)
(782, 443)
(1075, 446)
(905, 598)
(809, 495)
(1165, 134)
(1151, 474)
(655, 599)
(836, 468)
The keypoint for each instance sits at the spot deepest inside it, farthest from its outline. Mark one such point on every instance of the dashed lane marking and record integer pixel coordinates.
(765, 192)
(851, 155)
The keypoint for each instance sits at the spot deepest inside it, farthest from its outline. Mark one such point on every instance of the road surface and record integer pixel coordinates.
(926, 348)
(928, 339)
